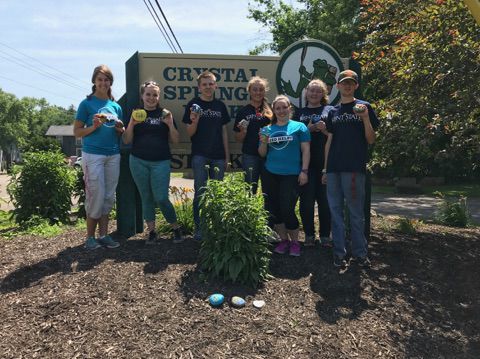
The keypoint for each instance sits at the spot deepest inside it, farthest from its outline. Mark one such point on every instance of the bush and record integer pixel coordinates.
(79, 192)
(408, 226)
(453, 212)
(235, 232)
(42, 187)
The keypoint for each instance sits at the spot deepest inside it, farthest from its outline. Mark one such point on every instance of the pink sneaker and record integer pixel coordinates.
(282, 247)
(295, 249)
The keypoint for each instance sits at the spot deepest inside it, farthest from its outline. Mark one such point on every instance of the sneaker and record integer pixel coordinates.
(108, 242)
(326, 242)
(295, 249)
(282, 247)
(177, 235)
(91, 243)
(339, 262)
(151, 239)
(309, 241)
(363, 262)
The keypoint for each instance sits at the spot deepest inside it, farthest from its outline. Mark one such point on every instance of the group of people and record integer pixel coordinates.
(317, 154)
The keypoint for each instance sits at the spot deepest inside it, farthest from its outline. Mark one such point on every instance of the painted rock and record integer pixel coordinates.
(139, 115)
(196, 108)
(258, 303)
(216, 300)
(165, 112)
(238, 302)
(359, 108)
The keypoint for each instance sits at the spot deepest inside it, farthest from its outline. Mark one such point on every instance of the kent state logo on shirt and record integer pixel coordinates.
(279, 140)
(153, 120)
(314, 118)
(346, 118)
(210, 114)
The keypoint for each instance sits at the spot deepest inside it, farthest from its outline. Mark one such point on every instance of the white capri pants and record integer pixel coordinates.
(100, 174)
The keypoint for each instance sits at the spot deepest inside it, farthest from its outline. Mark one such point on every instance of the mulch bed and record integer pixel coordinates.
(420, 299)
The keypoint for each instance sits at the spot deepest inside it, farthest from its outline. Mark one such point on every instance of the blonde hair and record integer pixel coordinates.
(316, 82)
(265, 109)
(278, 99)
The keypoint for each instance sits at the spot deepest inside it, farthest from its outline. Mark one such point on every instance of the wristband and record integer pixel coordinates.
(305, 170)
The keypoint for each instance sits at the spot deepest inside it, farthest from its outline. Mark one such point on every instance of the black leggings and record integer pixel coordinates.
(281, 195)
(311, 192)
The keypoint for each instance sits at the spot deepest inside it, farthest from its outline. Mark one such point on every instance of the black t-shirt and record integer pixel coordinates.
(255, 122)
(208, 139)
(308, 115)
(348, 150)
(150, 138)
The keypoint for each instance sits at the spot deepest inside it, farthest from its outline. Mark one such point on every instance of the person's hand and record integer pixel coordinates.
(302, 178)
(324, 178)
(168, 119)
(361, 110)
(194, 117)
(98, 120)
(320, 126)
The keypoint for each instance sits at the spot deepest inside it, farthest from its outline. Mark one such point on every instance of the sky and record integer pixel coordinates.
(49, 48)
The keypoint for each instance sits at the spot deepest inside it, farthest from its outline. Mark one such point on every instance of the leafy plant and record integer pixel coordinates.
(408, 225)
(183, 205)
(453, 212)
(42, 187)
(79, 192)
(235, 232)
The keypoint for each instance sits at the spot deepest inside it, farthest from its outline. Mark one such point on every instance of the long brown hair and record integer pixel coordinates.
(105, 70)
(265, 108)
(144, 86)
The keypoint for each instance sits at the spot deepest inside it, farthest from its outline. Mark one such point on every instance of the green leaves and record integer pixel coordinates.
(235, 232)
(42, 187)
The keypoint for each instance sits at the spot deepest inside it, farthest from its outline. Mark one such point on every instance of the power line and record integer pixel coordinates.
(160, 26)
(169, 26)
(30, 67)
(36, 88)
(43, 64)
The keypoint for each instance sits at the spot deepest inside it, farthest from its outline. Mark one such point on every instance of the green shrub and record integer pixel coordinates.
(42, 187)
(453, 212)
(79, 192)
(183, 205)
(408, 226)
(235, 232)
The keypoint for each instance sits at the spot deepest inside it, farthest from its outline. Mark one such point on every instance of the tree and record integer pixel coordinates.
(333, 21)
(421, 60)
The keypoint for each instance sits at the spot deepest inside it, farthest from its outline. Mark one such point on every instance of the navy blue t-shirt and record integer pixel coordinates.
(349, 148)
(208, 139)
(255, 122)
(313, 115)
(150, 138)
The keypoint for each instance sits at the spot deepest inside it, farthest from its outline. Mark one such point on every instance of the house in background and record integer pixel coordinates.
(71, 146)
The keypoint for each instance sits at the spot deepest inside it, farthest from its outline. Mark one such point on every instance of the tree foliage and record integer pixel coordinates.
(333, 21)
(421, 59)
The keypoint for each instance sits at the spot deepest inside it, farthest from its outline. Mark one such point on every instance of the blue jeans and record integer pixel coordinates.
(347, 187)
(201, 175)
(252, 166)
(153, 179)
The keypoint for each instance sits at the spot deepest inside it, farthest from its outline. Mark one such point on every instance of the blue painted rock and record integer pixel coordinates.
(216, 300)
(195, 108)
(238, 302)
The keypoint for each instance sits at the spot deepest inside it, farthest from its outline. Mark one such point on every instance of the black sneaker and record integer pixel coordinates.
(339, 262)
(309, 241)
(177, 235)
(363, 262)
(152, 237)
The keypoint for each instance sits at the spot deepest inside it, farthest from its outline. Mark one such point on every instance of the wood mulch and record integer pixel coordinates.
(420, 299)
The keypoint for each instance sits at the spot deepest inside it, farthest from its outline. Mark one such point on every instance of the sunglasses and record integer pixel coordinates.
(150, 83)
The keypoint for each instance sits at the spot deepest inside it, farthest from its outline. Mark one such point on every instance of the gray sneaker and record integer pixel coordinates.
(326, 242)
(108, 242)
(363, 262)
(339, 262)
(91, 243)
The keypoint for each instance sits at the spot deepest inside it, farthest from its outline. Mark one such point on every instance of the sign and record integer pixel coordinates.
(176, 75)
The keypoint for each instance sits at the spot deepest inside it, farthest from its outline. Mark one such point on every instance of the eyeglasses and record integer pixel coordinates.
(150, 83)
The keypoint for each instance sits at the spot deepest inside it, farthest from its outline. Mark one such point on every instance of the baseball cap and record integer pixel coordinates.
(347, 75)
